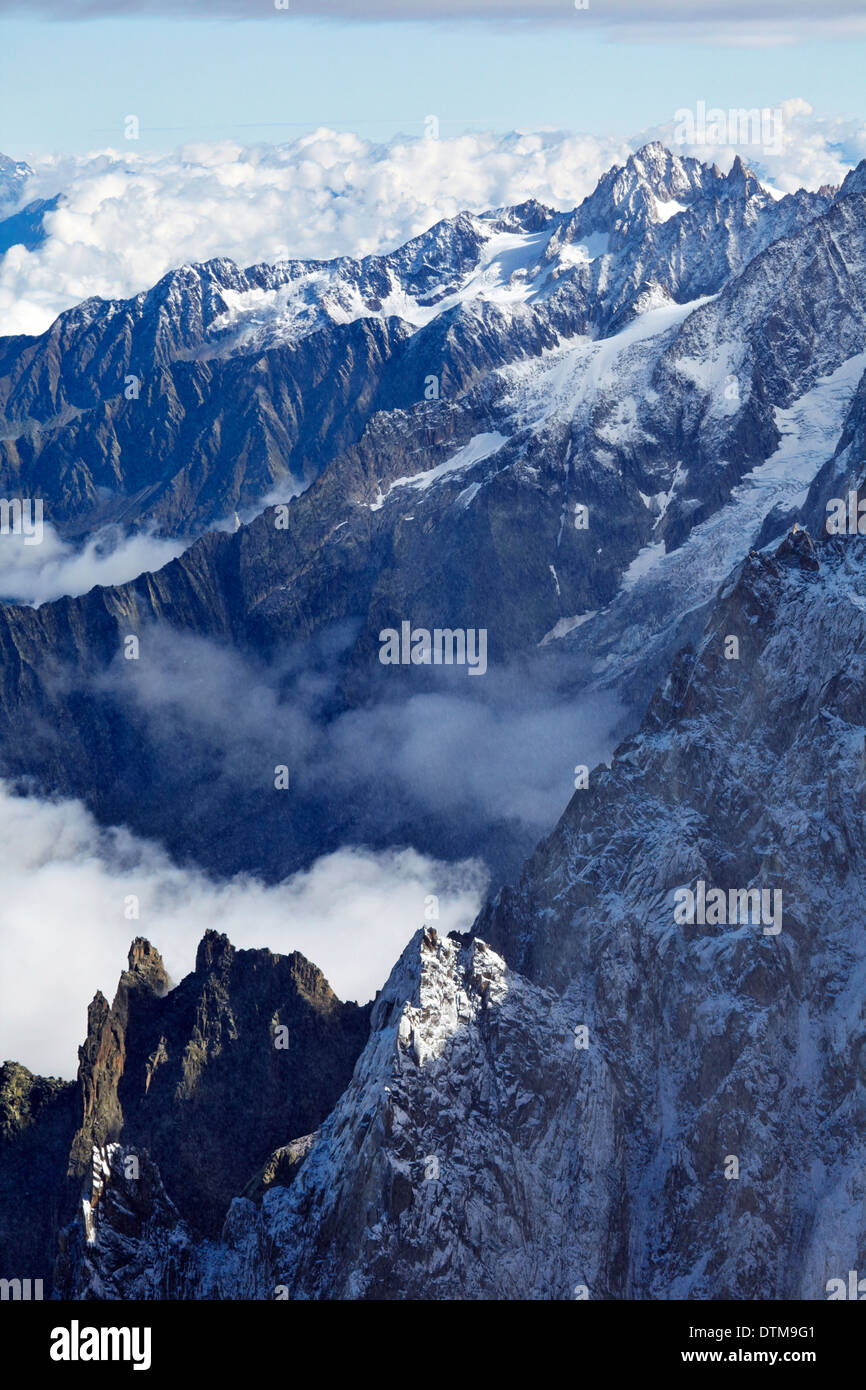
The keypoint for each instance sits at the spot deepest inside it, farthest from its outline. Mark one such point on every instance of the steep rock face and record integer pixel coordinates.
(706, 1043)
(726, 740)
(639, 1107)
(183, 1095)
(210, 1077)
(127, 1215)
(37, 1122)
(103, 1056)
(726, 1040)
(446, 1169)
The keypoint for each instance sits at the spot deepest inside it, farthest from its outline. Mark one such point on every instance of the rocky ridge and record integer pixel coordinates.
(566, 1124)
(201, 1082)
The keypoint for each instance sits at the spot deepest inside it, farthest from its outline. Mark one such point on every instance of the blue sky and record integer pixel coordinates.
(67, 86)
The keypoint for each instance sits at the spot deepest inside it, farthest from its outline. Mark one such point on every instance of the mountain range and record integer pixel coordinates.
(608, 438)
(671, 364)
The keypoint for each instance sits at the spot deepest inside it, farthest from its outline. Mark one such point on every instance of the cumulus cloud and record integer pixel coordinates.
(38, 573)
(758, 21)
(67, 888)
(127, 217)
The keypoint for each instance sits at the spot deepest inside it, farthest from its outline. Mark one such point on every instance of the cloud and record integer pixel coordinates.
(465, 760)
(66, 886)
(503, 756)
(38, 573)
(797, 149)
(126, 218)
(755, 22)
(453, 764)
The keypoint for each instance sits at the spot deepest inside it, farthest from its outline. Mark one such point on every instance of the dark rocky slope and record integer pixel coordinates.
(38, 1116)
(205, 1080)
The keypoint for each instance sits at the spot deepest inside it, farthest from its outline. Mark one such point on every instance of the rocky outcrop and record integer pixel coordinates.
(183, 1095)
(212, 1076)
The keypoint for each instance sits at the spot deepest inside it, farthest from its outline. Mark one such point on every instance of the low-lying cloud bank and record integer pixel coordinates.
(69, 891)
(38, 573)
(127, 217)
(460, 762)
